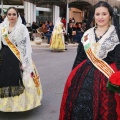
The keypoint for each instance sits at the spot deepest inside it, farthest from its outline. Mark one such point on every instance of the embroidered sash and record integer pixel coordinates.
(98, 63)
(16, 52)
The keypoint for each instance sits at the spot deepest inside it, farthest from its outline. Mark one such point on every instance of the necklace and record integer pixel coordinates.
(100, 36)
(96, 44)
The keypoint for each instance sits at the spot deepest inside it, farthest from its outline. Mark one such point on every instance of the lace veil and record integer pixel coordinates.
(58, 21)
(20, 38)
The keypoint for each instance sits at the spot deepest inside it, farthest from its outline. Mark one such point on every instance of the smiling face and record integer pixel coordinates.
(12, 15)
(102, 16)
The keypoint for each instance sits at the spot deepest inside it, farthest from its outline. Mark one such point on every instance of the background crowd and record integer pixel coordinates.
(72, 34)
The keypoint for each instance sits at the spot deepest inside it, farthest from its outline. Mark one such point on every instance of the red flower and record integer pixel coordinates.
(115, 78)
(32, 74)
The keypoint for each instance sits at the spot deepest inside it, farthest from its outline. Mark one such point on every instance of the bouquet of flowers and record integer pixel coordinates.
(114, 82)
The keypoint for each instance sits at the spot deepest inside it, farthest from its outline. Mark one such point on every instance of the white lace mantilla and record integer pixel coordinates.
(30, 98)
(106, 44)
(19, 36)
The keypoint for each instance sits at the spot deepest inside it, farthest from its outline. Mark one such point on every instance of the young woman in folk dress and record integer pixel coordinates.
(20, 87)
(86, 96)
(57, 39)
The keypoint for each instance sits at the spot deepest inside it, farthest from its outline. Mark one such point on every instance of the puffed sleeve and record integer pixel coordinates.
(117, 56)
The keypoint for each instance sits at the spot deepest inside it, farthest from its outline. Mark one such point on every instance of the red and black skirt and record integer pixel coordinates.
(86, 96)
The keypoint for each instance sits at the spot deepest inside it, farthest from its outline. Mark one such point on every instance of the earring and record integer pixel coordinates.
(110, 22)
(95, 24)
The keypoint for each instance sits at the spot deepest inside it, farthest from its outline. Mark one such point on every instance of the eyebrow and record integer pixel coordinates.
(12, 13)
(101, 12)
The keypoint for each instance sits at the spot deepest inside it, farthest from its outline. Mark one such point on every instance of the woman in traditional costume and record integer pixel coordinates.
(20, 88)
(91, 90)
(57, 39)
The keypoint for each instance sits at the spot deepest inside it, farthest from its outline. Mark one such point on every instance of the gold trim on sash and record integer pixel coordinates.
(14, 49)
(98, 63)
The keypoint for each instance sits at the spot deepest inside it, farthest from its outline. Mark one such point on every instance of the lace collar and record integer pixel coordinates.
(106, 44)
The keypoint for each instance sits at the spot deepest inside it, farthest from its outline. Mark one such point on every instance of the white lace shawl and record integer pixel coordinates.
(106, 44)
(20, 38)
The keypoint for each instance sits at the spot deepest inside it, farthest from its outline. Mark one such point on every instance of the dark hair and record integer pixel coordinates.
(14, 9)
(112, 14)
(104, 4)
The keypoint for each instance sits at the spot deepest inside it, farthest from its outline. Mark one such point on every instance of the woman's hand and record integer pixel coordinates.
(22, 67)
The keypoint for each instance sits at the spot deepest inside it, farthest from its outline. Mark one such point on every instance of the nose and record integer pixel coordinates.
(100, 16)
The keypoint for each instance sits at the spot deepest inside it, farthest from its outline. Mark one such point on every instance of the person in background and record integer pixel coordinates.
(3, 16)
(47, 24)
(65, 35)
(74, 32)
(1, 19)
(84, 26)
(34, 27)
(44, 27)
(49, 32)
(63, 20)
(57, 39)
(23, 19)
(20, 87)
(91, 90)
(79, 32)
(40, 23)
(73, 20)
(70, 20)
(70, 29)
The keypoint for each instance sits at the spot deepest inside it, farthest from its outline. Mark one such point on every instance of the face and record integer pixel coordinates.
(12, 16)
(50, 24)
(102, 16)
(80, 25)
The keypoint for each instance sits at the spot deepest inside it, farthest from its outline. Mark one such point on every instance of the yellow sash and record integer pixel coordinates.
(98, 63)
(14, 49)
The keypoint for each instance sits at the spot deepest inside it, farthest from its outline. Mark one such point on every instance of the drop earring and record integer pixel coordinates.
(110, 22)
(95, 24)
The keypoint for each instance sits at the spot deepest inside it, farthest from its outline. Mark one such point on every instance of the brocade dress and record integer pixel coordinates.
(18, 90)
(86, 96)
(57, 38)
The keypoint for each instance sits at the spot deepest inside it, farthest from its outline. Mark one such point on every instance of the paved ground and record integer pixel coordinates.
(54, 68)
(44, 44)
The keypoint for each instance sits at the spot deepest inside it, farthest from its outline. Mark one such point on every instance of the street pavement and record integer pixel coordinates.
(54, 68)
(44, 44)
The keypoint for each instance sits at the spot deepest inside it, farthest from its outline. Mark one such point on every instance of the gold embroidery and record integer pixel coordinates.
(29, 99)
(14, 49)
(100, 64)
(96, 45)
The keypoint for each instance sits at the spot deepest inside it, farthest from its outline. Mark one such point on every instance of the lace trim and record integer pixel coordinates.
(108, 45)
(11, 91)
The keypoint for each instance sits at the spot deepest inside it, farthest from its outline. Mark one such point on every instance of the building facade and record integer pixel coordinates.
(41, 10)
(32, 12)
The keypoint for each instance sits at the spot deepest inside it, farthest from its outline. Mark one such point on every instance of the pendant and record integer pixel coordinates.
(95, 45)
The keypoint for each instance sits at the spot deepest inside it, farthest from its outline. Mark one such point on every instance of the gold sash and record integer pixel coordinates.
(98, 63)
(16, 52)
